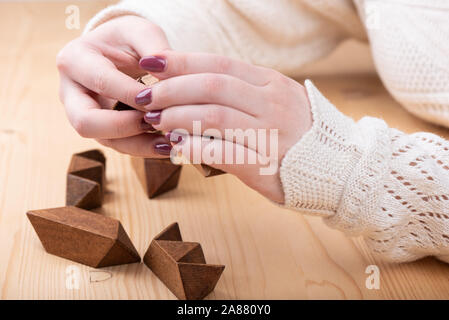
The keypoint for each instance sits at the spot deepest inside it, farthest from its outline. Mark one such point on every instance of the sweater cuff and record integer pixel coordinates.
(315, 170)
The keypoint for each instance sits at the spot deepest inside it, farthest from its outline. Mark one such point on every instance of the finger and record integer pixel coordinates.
(96, 73)
(211, 120)
(90, 121)
(207, 88)
(226, 156)
(169, 64)
(147, 145)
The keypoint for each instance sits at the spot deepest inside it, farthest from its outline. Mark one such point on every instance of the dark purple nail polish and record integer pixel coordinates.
(168, 135)
(153, 64)
(173, 137)
(163, 148)
(153, 117)
(144, 97)
(146, 126)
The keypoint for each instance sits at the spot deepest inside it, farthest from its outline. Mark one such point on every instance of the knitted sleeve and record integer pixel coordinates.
(249, 30)
(367, 179)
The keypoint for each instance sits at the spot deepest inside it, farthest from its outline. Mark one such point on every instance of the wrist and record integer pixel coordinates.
(315, 170)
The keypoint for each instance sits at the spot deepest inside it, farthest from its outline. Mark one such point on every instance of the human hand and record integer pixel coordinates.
(223, 96)
(99, 68)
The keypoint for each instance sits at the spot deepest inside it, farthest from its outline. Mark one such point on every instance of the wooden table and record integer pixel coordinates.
(269, 253)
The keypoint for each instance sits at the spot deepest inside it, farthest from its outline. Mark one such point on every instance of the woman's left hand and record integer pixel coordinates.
(237, 104)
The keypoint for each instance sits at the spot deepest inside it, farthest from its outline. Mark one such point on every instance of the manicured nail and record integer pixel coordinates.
(144, 97)
(173, 137)
(153, 64)
(146, 126)
(153, 117)
(168, 136)
(163, 148)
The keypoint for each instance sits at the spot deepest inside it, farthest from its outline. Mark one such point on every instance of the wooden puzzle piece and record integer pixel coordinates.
(181, 266)
(157, 176)
(83, 236)
(86, 180)
(95, 155)
(208, 171)
(120, 106)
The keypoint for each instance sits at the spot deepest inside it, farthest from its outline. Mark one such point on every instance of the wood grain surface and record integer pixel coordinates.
(269, 253)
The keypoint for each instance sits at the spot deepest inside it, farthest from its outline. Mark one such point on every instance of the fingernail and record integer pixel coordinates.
(168, 135)
(173, 137)
(146, 126)
(163, 148)
(153, 117)
(153, 64)
(144, 96)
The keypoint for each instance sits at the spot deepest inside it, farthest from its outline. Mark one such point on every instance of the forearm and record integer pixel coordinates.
(367, 179)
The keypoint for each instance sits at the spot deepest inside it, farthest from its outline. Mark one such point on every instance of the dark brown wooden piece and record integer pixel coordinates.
(86, 180)
(157, 176)
(83, 236)
(208, 171)
(94, 154)
(181, 266)
(120, 106)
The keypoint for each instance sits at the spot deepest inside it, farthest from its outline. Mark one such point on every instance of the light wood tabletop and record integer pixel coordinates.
(269, 252)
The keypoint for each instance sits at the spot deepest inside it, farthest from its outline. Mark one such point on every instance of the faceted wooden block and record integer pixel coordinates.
(83, 236)
(120, 106)
(157, 176)
(95, 155)
(208, 171)
(86, 180)
(181, 266)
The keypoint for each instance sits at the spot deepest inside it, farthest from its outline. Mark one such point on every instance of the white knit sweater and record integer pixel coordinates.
(363, 178)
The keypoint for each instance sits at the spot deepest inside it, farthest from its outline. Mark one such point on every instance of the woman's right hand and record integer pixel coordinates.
(100, 68)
